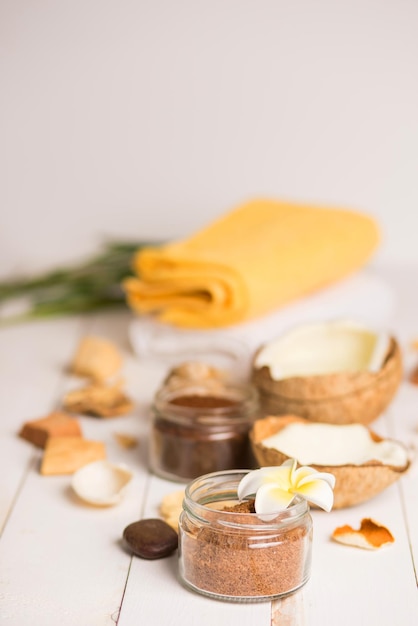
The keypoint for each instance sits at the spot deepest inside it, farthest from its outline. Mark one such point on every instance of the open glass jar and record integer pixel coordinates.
(195, 432)
(239, 556)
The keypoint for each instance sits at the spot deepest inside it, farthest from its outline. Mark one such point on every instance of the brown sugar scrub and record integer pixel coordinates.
(197, 430)
(230, 552)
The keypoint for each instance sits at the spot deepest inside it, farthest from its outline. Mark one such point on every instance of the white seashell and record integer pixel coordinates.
(101, 483)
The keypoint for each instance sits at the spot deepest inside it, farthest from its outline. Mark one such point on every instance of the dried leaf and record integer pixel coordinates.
(126, 441)
(96, 358)
(413, 376)
(98, 400)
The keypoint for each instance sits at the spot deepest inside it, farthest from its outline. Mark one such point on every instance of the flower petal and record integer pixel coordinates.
(289, 463)
(250, 484)
(278, 475)
(326, 476)
(275, 487)
(271, 499)
(292, 465)
(318, 492)
(301, 473)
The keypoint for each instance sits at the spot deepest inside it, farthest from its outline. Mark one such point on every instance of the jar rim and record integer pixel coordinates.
(297, 509)
(243, 412)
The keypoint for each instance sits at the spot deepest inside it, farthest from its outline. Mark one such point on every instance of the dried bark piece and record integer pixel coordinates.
(370, 536)
(65, 455)
(96, 358)
(98, 400)
(196, 374)
(151, 538)
(413, 376)
(195, 370)
(170, 508)
(126, 441)
(56, 424)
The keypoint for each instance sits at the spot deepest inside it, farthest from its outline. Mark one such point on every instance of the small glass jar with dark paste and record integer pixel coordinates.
(196, 432)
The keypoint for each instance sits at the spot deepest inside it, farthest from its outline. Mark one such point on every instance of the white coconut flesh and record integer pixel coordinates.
(331, 444)
(326, 348)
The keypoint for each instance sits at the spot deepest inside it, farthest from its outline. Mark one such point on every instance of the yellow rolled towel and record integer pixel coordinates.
(256, 258)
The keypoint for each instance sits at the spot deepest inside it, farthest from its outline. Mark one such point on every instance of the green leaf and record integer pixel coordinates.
(86, 286)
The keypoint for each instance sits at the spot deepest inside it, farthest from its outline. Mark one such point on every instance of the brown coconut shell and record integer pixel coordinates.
(353, 483)
(340, 398)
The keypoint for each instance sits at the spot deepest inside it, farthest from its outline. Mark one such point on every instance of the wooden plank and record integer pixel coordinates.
(62, 562)
(32, 362)
(403, 410)
(289, 611)
(404, 427)
(337, 570)
(155, 595)
(375, 580)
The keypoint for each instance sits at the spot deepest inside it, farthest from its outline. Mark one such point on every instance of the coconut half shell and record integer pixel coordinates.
(353, 483)
(336, 398)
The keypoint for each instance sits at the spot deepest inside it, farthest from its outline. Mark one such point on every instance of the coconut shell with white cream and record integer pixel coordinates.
(336, 372)
(349, 452)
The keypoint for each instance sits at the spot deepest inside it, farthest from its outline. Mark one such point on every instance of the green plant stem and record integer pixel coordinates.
(87, 286)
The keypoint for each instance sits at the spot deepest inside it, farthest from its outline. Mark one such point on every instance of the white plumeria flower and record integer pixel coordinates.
(275, 488)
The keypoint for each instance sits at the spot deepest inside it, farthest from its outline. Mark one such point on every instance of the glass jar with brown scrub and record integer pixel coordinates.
(196, 431)
(229, 552)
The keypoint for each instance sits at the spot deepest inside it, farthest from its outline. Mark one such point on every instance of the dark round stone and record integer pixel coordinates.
(151, 538)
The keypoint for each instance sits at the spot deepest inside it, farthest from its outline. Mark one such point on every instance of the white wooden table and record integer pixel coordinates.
(63, 563)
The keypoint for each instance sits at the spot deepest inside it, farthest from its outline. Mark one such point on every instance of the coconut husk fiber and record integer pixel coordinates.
(337, 398)
(353, 483)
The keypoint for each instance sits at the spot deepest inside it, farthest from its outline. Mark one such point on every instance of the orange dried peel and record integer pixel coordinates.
(371, 535)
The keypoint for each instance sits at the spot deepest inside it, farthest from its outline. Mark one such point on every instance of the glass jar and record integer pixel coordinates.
(195, 432)
(241, 556)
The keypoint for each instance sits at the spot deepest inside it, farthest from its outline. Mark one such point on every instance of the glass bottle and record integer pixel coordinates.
(195, 432)
(238, 555)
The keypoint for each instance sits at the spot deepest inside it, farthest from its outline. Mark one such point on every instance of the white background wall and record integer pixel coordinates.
(132, 118)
